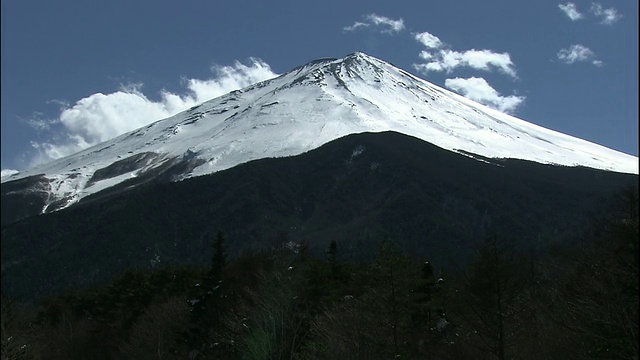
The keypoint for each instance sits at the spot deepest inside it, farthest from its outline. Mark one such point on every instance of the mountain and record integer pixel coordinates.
(436, 204)
(296, 112)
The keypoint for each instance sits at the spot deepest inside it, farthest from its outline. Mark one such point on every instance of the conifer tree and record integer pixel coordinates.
(492, 307)
(218, 260)
(205, 310)
(598, 296)
(392, 272)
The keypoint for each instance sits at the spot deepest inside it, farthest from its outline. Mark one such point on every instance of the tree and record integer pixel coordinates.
(20, 340)
(218, 260)
(156, 333)
(349, 330)
(268, 322)
(597, 299)
(491, 308)
(208, 297)
(391, 274)
(427, 301)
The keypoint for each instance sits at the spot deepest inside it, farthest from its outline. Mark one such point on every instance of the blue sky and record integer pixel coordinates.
(78, 72)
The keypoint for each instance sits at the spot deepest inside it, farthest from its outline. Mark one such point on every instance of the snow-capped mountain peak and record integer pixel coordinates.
(302, 110)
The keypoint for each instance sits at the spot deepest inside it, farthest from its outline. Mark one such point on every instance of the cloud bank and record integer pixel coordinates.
(100, 117)
(477, 89)
(382, 23)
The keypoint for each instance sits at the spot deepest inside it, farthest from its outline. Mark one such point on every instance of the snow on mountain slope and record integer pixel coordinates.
(305, 108)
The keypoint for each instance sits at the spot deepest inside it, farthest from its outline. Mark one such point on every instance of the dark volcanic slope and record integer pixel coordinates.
(435, 203)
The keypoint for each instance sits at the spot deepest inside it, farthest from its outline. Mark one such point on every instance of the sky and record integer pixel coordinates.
(76, 73)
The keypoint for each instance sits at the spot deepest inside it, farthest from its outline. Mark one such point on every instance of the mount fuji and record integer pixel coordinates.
(296, 112)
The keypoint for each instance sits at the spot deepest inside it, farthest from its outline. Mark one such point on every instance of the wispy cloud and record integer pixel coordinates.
(381, 23)
(478, 89)
(608, 16)
(37, 121)
(355, 26)
(100, 117)
(571, 11)
(576, 53)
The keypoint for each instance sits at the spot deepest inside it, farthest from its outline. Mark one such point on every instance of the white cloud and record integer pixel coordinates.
(577, 53)
(355, 26)
(425, 68)
(425, 55)
(385, 24)
(571, 11)
(7, 172)
(100, 117)
(477, 89)
(393, 25)
(447, 60)
(609, 16)
(439, 57)
(428, 40)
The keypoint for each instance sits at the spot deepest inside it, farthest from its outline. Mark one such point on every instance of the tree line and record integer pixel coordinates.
(282, 303)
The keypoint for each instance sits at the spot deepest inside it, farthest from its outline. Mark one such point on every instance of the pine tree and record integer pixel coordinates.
(218, 261)
(206, 306)
(428, 285)
(392, 274)
(598, 296)
(492, 306)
